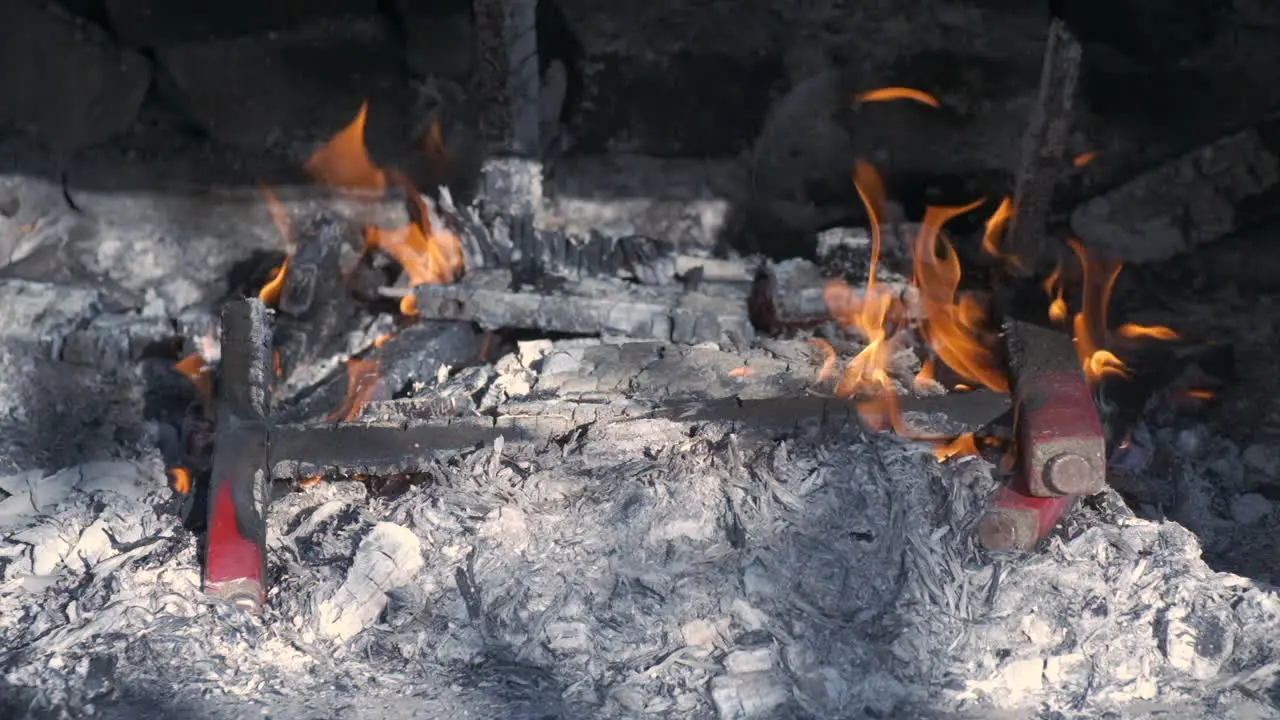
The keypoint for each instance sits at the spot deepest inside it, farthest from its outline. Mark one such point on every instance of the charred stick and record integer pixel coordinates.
(1043, 150)
(592, 307)
(239, 485)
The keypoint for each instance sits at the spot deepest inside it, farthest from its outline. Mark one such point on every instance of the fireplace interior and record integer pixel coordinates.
(544, 358)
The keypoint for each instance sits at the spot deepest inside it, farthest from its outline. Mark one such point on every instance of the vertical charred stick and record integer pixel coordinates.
(1061, 445)
(1043, 150)
(235, 552)
(509, 85)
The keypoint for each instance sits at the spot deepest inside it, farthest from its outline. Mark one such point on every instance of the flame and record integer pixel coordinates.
(1084, 158)
(995, 227)
(344, 161)
(180, 478)
(898, 93)
(866, 372)
(1090, 324)
(953, 326)
(1134, 331)
(962, 446)
(270, 293)
(871, 190)
(828, 368)
(362, 383)
(200, 374)
(1053, 287)
(925, 378)
(429, 255)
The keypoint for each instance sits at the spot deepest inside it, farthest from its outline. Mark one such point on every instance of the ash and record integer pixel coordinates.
(663, 570)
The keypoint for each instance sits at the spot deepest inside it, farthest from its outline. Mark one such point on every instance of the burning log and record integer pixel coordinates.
(592, 306)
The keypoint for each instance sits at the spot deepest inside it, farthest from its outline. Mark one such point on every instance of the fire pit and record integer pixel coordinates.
(391, 360)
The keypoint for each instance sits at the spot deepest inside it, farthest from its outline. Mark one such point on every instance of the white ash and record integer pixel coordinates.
(658, 572)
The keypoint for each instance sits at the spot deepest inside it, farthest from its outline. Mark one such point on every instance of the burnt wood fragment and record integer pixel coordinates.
(1201, 196)
(791, 295)
(591, 306)
(315, 309)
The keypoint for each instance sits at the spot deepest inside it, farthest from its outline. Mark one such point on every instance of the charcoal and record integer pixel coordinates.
(65, 79)
(316, 311)
(438, 37)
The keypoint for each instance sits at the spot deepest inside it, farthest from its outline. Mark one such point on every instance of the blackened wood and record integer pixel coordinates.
(299, 451)
(316, 311)
(1201, 196)
(592, 307)
(1043, 151)
(793, 295)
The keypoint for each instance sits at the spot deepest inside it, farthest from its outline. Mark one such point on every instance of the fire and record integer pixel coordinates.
(898, 93)
(270, 293)
(828, 369)
(953, 325)
(925, 378)
(200, 374)
(1134, 331)
(429, 256)
(344, 161)
(995, 226)
(1058, 306)
(1089, 326)
(180, 478)
(962, 446)
(362, 383)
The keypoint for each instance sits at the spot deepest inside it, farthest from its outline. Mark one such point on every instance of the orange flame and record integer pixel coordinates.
(995, 226)
(180, 479)
(828, 368)
(362, 383)
(344, 161)
(270, 293)
(1134, 331)
(925, 378)
(1058, 306)
(200, 374)
(963, 446)
(871, 190)
(898, 93)
(429, 256)
(953, 326)
(1090, 324)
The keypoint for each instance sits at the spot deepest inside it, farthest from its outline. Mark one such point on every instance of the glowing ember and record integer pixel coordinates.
(344, 162)
(310, 481)
(741, 372)
(362, 383)
(898, 93)
(1084, 158)
(180, 479)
